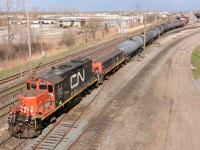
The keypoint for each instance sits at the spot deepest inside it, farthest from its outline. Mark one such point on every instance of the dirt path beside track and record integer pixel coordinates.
(163, 113)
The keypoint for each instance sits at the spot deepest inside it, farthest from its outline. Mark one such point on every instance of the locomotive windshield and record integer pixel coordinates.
(43, 85)
(33, 84)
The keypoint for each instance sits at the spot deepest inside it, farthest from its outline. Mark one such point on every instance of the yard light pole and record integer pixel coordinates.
(29, 38)
(120, 14)
(41, 36)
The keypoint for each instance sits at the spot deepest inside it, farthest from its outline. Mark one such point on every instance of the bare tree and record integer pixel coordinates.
(68, 38)
(92, 26)
(10, 8)
(106, 28)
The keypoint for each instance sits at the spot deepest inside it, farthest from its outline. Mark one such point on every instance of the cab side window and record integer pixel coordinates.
(28, 86)
(50, 88)
(33, 85)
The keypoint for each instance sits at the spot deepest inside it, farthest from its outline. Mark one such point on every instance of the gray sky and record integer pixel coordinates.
(102, 5)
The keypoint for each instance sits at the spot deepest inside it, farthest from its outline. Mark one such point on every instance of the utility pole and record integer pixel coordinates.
(29, 38)
(121, 16)
(41, 36)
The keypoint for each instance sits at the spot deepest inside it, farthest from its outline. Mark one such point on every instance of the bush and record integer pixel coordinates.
(21, 50)
(68, 38)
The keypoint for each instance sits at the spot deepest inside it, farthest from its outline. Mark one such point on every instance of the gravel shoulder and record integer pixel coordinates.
(144, 121)
(163, 111)
(158, 111)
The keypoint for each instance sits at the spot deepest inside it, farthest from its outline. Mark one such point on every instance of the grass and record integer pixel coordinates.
(51, 55)
(36, 62)
(195, 60)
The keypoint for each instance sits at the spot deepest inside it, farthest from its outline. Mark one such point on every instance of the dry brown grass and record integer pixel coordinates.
(55, 48)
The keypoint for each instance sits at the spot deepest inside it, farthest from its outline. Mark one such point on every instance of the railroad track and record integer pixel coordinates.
(10, 98)
(12, 143)
(86, 52)
(62, 127)
(97, 127)
(56, 138)
(8, 101)
(82, 53)
(92, 52)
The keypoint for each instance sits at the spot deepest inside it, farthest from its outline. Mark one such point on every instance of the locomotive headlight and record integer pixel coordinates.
(27, 119)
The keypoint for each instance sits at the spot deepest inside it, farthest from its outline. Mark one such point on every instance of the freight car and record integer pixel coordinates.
(55, 91)
(197, 15)
(131, 46)
(135, 44)
(106, 65)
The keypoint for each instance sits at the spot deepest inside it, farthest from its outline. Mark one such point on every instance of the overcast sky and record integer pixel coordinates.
(104, 5)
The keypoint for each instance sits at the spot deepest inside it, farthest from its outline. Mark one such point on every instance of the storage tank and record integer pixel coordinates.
(131, 45)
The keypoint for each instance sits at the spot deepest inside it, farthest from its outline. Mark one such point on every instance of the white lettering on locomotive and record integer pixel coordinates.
(77, 77)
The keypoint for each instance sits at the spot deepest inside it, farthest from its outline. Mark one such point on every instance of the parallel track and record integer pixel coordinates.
(97, 127)
(62, 127)
(92, 52)
(87, 52)
(99, 124)
(82, 53)
(12, 143)
(7, 101)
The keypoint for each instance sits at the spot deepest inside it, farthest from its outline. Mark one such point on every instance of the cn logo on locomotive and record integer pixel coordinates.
(77, 77)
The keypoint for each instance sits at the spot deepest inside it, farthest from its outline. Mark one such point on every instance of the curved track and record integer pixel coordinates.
(96, 129)
(62, 127)
(101, 122)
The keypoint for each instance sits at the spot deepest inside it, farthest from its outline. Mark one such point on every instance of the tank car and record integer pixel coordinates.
(131, 46)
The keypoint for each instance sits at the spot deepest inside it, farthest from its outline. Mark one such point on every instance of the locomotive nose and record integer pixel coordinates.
(18, 129)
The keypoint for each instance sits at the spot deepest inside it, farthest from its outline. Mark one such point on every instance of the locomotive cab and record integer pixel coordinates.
(25, 120)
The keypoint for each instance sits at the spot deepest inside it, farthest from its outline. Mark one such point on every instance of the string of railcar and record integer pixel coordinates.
(50, 93)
